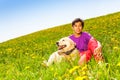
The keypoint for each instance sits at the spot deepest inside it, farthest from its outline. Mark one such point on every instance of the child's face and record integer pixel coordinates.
(77, 27)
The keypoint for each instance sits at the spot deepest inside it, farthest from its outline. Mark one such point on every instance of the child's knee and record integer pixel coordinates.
(98, 54)
(82, 59)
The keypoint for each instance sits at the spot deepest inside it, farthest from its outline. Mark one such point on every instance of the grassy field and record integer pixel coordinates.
(21, 58)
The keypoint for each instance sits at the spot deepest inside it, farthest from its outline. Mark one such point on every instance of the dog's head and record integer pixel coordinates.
(65, 44)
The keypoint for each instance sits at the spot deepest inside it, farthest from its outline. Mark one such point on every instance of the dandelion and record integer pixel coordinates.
(9, 49)
(52, 69)
(73, 69)
(84, 68)
(0, 52)
(115, 48)
(55, 74)
(43, 58)
(81, 78)
(26, 53)
(65, 75)
(118, 64)
(59, 78)
(33, 57)
(83, 72)
(27, 67)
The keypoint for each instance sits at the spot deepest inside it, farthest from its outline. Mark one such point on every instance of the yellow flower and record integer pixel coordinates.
(52, 69)
(81, 78)
(112, 39)
(55, 74)
(115, 48)
(33, 57)
(118, 64)
(84, 68)
(27, 67)
(26, 53)
(66, 75)
(9, 49)
(73, 69)
(43, 58)
(83, 72)
(0, 52)
(59, 78)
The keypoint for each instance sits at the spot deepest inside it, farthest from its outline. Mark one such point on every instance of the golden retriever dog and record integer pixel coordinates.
(66, 49)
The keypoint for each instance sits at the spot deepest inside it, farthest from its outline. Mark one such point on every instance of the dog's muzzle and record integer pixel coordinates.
(61, 47)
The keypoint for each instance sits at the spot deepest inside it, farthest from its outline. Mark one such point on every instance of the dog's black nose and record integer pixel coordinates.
(57, 43)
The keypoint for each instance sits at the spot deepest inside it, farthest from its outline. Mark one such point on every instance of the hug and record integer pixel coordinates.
(80, 44)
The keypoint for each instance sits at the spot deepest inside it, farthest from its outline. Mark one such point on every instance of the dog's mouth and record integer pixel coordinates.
(61, 47)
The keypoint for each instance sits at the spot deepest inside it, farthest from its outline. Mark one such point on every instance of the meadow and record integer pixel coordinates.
(21, 58)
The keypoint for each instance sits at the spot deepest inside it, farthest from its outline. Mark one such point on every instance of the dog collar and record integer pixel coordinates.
(68, 52)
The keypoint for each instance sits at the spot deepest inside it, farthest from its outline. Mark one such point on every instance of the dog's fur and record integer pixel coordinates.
(66, 49)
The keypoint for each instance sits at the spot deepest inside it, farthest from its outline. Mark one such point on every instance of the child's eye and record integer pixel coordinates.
(75, 26)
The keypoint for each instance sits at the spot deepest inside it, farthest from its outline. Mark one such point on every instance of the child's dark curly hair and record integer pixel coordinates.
(78, 20)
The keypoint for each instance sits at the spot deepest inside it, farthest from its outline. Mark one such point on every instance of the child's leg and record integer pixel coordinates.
(98, 53)
(82, 59)
(96, 49)
(85, 56)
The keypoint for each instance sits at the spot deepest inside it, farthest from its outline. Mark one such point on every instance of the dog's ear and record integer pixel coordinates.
(57, 43)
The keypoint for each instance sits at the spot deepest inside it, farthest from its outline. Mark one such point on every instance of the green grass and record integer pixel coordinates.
(21, 58)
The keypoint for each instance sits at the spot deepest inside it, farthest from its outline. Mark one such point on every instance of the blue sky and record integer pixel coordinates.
(20, 17)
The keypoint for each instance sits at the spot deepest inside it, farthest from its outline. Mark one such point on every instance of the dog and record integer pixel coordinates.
(66, 50)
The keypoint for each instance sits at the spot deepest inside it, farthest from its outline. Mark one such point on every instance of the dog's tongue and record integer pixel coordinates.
(61, 47)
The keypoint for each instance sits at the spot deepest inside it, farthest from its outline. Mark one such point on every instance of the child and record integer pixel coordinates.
(85, 43)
